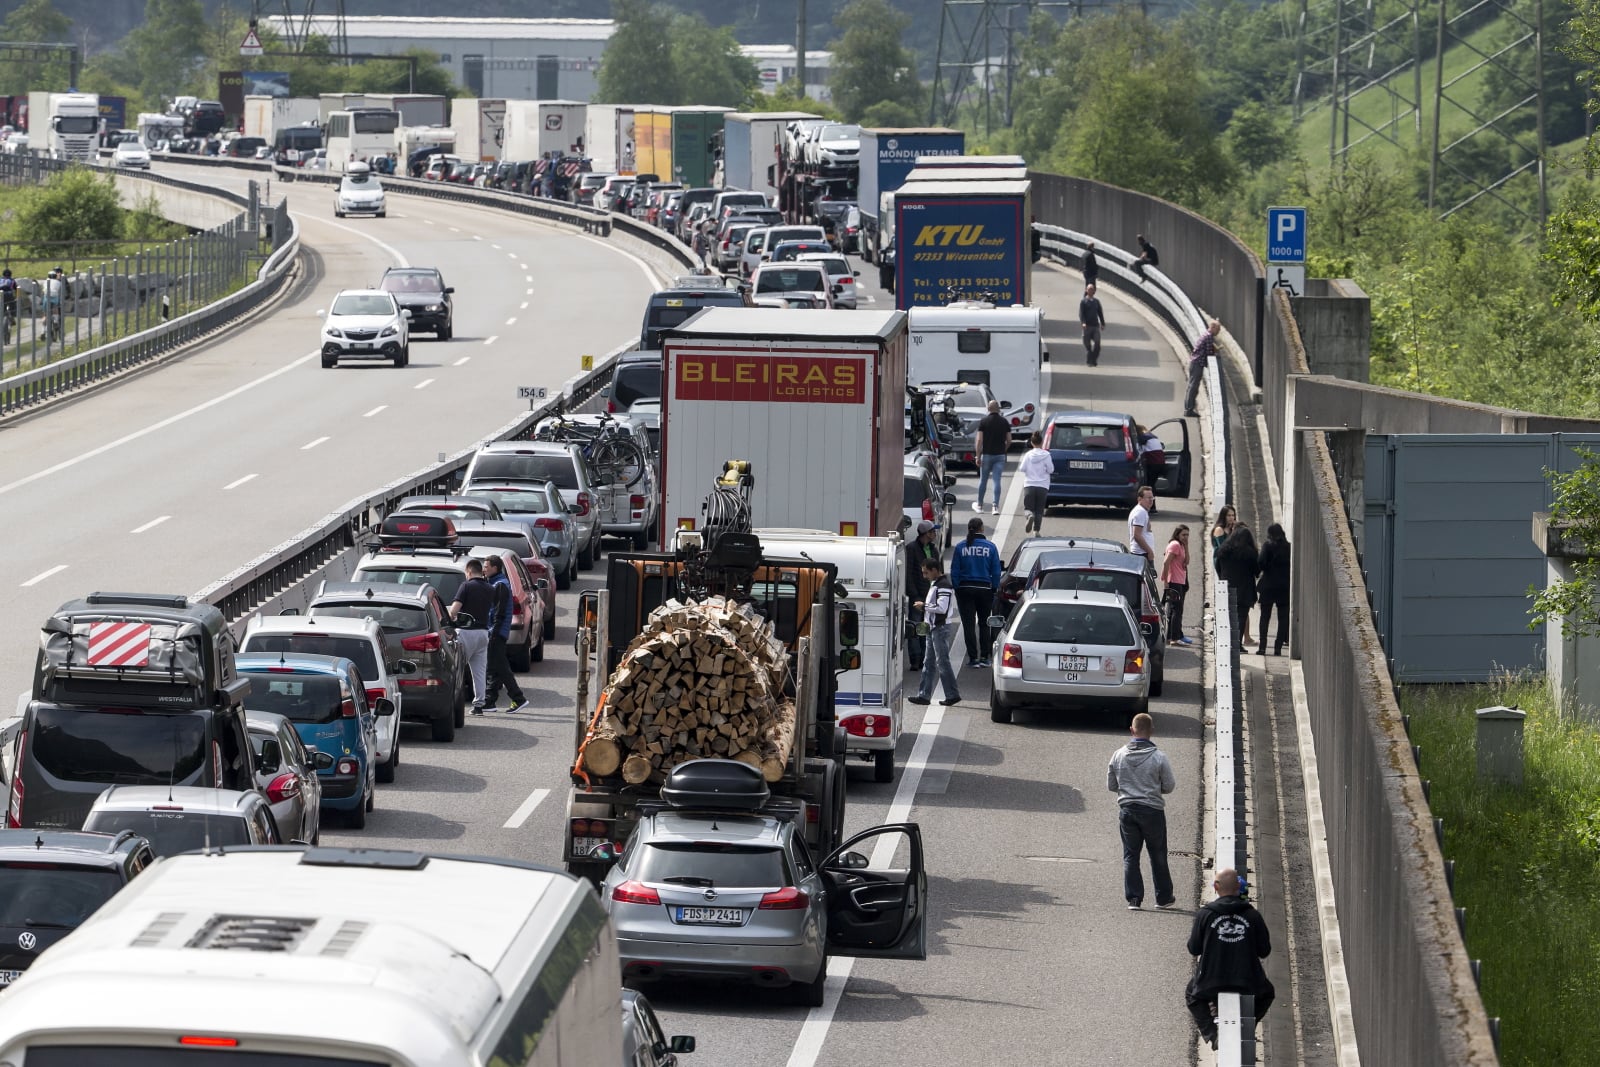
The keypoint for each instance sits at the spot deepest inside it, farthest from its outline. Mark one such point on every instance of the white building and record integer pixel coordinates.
(515, 59)
(776, 62)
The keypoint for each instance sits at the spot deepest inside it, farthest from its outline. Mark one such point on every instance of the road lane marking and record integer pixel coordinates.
(494, 246)
(427, 222)
(512, 321)
(394, 253)
(112, 446)
(237, 482)
(522, 266)
(460, 361)
(808, 1046)
(491, 340)
(375, 410)
(151, 525)
(37, 578)
(423, 384)
(313, 444)
(455, 229)
(524, 810)
(475, 237)
(524, 306)
(529, 277)
(513, 255)
(530, 291)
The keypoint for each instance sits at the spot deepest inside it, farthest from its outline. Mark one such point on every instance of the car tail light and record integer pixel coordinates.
(631, 892)
(14, 810)
(347, 709)
(927, 508)
(866, 725)
(423, 643)
(583, 503)
(419, 683)
(547, 524)
(347, 766)
(208, 1041)
(283, 787)
(636, 502)
(1133, 661)
(375, 694)
(787, 899)
(1127, 445)
(1011, 655)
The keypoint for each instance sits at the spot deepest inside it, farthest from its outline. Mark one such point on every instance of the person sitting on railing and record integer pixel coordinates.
(1228, 940)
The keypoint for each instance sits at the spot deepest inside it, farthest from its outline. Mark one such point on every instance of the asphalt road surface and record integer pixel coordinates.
(187, 472)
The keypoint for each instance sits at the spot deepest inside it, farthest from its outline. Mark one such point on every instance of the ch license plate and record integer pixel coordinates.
(367, 345)
(1074, 663)
(1087, 464)
(7, 977)
(711, 916)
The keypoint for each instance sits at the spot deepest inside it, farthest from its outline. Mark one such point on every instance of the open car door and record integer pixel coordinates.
(1175, 476)
(877, 913)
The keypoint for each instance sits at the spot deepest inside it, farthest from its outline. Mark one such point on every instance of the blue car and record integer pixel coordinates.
(326, 700)
(1103, 457)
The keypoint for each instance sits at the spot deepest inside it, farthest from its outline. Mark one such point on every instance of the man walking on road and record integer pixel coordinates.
(1204, 349)
(500, 673)
(1092, 318)
(922, 549)
(1139, 542)
(1141, 776)
(975, 572)
(1228, 940)
(1036, 468)
(474, 598)
(994, 438)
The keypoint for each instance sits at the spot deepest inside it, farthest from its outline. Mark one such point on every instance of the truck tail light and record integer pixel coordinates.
(423, 643)
(1011, 656)
(636, 502)
(787, 899)
(631, 892)
(583, 503)
(866, 725)
(14, 809)
(1132, 661)
(283, 787)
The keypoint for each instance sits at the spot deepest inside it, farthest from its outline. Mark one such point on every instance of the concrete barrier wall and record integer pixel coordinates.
(196, 210)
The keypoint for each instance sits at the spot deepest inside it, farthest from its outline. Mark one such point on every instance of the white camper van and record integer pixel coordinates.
(1002, 347)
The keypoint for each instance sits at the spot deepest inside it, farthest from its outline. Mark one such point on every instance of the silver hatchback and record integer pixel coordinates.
(1069, 648)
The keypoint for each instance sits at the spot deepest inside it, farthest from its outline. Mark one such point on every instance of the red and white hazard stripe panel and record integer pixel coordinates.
(119, 644)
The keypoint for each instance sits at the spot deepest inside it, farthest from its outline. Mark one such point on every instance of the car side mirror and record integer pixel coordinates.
(405, 666)
(383, 706)
(1147, 628)
(949, 480)
(852, 861)
(605, 852)
(449, 289)
(682, 1043)
(406, 312)
(465, 621)
(321, 761)
(949, 500)
(997, 622)
(289, 611)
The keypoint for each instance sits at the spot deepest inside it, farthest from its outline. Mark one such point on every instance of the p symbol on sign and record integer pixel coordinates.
(1285, 224)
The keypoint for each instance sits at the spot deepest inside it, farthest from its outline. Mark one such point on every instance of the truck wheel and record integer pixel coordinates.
(445, 729)
(883, 765)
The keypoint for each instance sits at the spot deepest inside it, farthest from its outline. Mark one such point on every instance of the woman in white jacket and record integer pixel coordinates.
(1036, 467)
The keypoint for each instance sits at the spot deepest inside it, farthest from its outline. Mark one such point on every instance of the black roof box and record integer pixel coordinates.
(418, 528)
(724, 784)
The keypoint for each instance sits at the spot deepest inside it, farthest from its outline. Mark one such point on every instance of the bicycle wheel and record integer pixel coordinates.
(623, 457)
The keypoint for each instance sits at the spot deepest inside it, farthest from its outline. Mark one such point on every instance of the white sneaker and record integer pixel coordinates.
(995, 510)
(977, 507)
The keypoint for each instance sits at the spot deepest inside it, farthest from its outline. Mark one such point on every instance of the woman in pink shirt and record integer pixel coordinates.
(1175, 572)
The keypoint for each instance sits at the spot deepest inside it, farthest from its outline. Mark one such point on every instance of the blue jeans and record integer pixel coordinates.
(988, 465)
(936, 664)
(1144, 827)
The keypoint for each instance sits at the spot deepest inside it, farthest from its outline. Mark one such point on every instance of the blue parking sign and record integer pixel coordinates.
(1286, 235)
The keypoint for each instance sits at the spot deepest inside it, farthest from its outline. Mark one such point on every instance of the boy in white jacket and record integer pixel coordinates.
(1036, 468)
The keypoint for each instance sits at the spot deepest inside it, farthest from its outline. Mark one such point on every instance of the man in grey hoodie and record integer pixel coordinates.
(1140, 776)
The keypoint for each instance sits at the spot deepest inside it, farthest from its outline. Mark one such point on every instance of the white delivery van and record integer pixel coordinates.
(872, 570)
(285, 957)
(1002, 347)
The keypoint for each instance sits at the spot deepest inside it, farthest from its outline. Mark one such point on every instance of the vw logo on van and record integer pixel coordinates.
(26, 940)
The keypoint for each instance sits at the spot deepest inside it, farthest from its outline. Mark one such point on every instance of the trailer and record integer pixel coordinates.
(887, 156)
(415, 109)
(480, 128)
(957, 240)
(328, 103)
(264, 116)
(752, 143)
(536, 128)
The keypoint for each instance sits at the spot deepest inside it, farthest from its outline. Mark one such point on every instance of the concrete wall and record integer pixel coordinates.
(1335, 320)
(198, 211)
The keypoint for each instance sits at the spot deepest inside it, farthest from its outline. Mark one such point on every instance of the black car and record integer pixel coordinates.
(672, 307)
(51, 881)
(1014, 578)
(422, 291)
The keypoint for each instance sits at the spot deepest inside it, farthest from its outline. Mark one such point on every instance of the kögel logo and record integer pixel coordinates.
(553, 122)
(781, 379)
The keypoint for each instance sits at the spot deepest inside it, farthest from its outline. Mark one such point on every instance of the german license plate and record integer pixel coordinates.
(7, 977)
(582, 846)
(711, 916)
(1074, 663)
(1087, 464)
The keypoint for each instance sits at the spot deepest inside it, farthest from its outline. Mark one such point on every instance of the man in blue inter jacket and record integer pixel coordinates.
(975, 572)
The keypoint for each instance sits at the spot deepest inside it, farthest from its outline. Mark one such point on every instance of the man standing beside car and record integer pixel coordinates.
(474, 598)
(975, 572)
(994, 438)
(500, 673)
(920, 550)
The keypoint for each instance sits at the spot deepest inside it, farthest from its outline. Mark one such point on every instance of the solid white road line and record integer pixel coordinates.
(313, 444)
(808, 1046)
(375, 410)
(460, 361)
(491, 340)
(151, 525)
(394, 253)
(111, 446)
(37, 578)
(512, 321)
(524, 810)
(423, 384)
(237, 482)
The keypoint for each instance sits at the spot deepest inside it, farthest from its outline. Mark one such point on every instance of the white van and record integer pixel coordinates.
(977, 342)
(286, 957)
(872, 570)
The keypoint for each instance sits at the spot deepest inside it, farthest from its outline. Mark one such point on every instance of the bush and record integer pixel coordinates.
(76, 205)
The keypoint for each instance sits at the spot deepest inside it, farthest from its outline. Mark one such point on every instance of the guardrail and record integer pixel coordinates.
(1229, 836)
(62, 375)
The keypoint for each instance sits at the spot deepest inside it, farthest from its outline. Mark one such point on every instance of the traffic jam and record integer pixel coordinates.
(750, 631)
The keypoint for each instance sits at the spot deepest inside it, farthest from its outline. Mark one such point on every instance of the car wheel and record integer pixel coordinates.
(386, 768)
(812, 992)
(883, 765)
(338, 214)
(586, 555)
(445, 729)
(463, 698)
(537, 653)
(403, 358)
(999, 710)
(356, 818)
(446, 332)
(641, 540)
(550, 628)
(521, 658)
(383, 214)
(564, 580)
(1159, 678)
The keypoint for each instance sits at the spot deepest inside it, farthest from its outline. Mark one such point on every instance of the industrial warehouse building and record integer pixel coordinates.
(776, 65)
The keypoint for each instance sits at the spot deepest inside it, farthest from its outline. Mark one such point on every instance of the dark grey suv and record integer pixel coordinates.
(422, 291)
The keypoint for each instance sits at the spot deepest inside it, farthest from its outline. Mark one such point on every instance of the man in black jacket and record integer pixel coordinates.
(1148, 257)
(919, 550)
(1092, 317)
(1229, 940)
(1091, 266)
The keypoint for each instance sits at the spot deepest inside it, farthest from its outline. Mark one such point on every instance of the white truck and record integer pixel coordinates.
(415, 109)
(816, 403)
(264, 116)
(64, 125)
(328, 103)
(1002, 347)
(480, 128)
(409, 139)
(536, 128)
(751, 142)
(608, 138)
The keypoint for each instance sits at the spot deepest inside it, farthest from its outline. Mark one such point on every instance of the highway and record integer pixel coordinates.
(193, 469)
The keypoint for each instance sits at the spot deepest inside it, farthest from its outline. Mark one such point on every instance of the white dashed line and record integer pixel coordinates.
(511, 255)
(530, 291)
(460, 361)
(37, 578)
(374, 411)
(512, 321)
(529, 278)
(494, 246)
(455, 229)
(491, 340)
(524, 306)
(423, 384)
(525, 809)
(524, 266)
(237, 482)
(151, 525)
(313, 444)
(427, 222)
(475, 237)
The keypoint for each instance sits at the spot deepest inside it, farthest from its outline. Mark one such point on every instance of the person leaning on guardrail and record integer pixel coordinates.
(1204, 349)
(1229, 940)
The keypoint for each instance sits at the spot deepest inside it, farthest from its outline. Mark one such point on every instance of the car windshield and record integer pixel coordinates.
(705, 863)
(353, 647)
(363, 304)
(513, 542)
(40, 893)
(1086, 437)
(915, 494)
(411, 283)
(297, 697)
(393, 618)
(637, 382)
(1120, 582)
(444, 582)
(124, 747)
(839, 133)
(790, 280)
(172, 832)
(835, 266)
(515, 501)
(558, 468)
(1073, 624)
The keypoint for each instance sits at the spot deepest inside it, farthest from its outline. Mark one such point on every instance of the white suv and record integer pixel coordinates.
(359, 640)
(366, 324)
(784, 279)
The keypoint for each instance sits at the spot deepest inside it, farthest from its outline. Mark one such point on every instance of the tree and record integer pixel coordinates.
(1257, 135)
(36, 21)
(1575, 510)
(708, 66)
(785, 98)
(166, 48)
(870, 65)
(890, 114)
(637, 65)
(76, 205)
(1572, 248)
